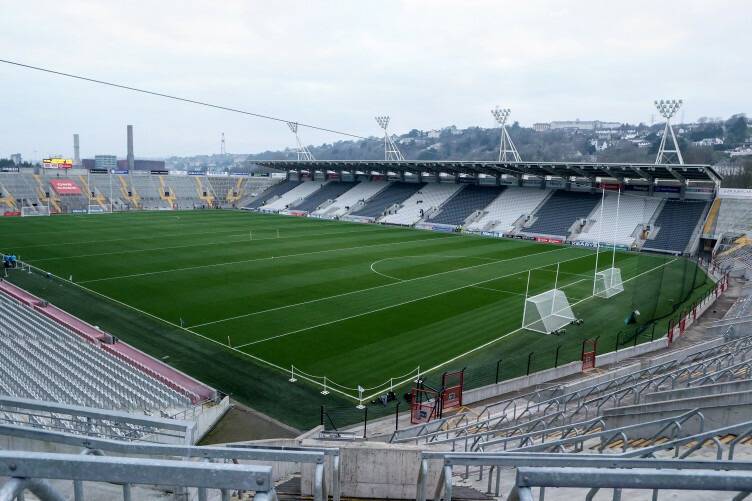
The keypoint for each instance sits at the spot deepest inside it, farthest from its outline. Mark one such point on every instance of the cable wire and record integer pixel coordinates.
(176, 98)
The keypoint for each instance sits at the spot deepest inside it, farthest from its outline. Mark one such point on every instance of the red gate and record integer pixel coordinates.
(423, 406)
(452, 384)
(589, 347)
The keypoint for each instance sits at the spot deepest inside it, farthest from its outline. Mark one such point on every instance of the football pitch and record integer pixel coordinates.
(347, 305)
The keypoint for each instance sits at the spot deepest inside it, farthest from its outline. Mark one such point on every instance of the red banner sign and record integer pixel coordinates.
(65, 187)
(546, 240)
(11, 213)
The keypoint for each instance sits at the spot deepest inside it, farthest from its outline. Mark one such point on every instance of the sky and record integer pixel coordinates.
(337, 64)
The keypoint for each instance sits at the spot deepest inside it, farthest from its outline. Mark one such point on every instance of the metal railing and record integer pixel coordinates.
(94, 422)
(30, 471)
(209, 454)
(635, 454)
(701, 478)
(511, 412)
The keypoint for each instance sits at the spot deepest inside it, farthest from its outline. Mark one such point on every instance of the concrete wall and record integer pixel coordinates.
(373, 469)
(209, 416)
(699, 391)
(719, 410)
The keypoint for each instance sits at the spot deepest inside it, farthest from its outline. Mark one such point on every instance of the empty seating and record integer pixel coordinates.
(560, 211)
(352, 199)
(734, 216)
(395, 193)
(513, 203)
(329, 191)
(274, 191)
(292, 196)
(148, 189)
(617, 220)
(675, 225)
(423, 202)
(43, 360)
(471, 199)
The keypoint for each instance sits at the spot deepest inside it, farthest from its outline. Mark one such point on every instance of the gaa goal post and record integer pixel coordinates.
(608, 283)
(39, 210)
(548, 311)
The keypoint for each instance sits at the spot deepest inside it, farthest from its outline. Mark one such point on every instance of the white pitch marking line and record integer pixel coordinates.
(160, 272)
(207, 244)
(493, 341)
(398, 304)
(302, 303)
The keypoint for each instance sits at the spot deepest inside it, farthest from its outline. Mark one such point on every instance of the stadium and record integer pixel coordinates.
(415, 291)
(437, 315)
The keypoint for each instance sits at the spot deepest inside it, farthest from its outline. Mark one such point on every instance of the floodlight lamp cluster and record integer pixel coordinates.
(668, 107)
(293, 127)
(501, 114)
(383, 121)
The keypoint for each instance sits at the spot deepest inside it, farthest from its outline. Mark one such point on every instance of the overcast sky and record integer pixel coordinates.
(337, 64)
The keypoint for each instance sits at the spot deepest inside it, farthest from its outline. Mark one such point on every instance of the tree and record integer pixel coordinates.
(736, 129)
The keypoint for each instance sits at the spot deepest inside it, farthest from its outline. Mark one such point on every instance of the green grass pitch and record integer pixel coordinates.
(358, 304)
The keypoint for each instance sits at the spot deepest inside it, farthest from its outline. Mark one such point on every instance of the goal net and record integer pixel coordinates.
(608, 283)
(39, 210)
(547, 312)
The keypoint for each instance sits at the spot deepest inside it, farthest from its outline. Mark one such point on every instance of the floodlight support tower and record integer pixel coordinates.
(507, 150)
(391, 152)
(303, 152)
(668, 108)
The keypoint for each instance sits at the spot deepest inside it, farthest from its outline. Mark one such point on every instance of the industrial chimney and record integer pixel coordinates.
(76, 152)
(131, 162)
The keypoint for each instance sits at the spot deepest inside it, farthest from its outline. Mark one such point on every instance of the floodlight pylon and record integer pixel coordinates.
(507, 150)
(303, 152)
(391, 152)
(668, 108)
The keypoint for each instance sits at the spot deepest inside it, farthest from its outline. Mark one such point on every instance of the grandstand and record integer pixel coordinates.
(562, 214)
(421, 204)
(292, 197)
(271, 194)
(350, 200)
(511, 206)
(620, 219)
(386, 200)
(675, 226)
(470, 200)
(324, 196)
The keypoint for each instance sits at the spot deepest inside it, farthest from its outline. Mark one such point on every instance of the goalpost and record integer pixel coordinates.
(39, 210)
(607, 283)
(259, 235)
(548, 311)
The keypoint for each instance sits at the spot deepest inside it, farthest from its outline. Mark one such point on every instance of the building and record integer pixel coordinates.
(708, 141)
(108, 162)
(16, 158)
(583, 125)
(541, 127)
(142, 164)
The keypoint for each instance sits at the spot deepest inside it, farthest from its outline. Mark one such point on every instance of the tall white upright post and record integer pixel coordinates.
(613, 256)
(111, 200)
(600, 232)
(88, 188)
(556, 287)
(527, 290)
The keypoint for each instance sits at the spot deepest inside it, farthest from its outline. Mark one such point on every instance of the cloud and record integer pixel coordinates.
(337, 64)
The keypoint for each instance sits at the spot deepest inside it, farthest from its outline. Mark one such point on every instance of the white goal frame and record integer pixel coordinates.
(39, 210)
(608, 283)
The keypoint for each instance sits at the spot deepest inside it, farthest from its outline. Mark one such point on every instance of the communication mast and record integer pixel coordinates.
(391, 152)
(668, 108)
(303, 152)
(507, 151)
(222, 149)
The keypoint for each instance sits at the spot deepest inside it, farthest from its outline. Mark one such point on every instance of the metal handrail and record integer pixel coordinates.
(238, 452)
(27, 469)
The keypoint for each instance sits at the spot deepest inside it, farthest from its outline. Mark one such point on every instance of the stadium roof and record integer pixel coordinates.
(659, 172)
